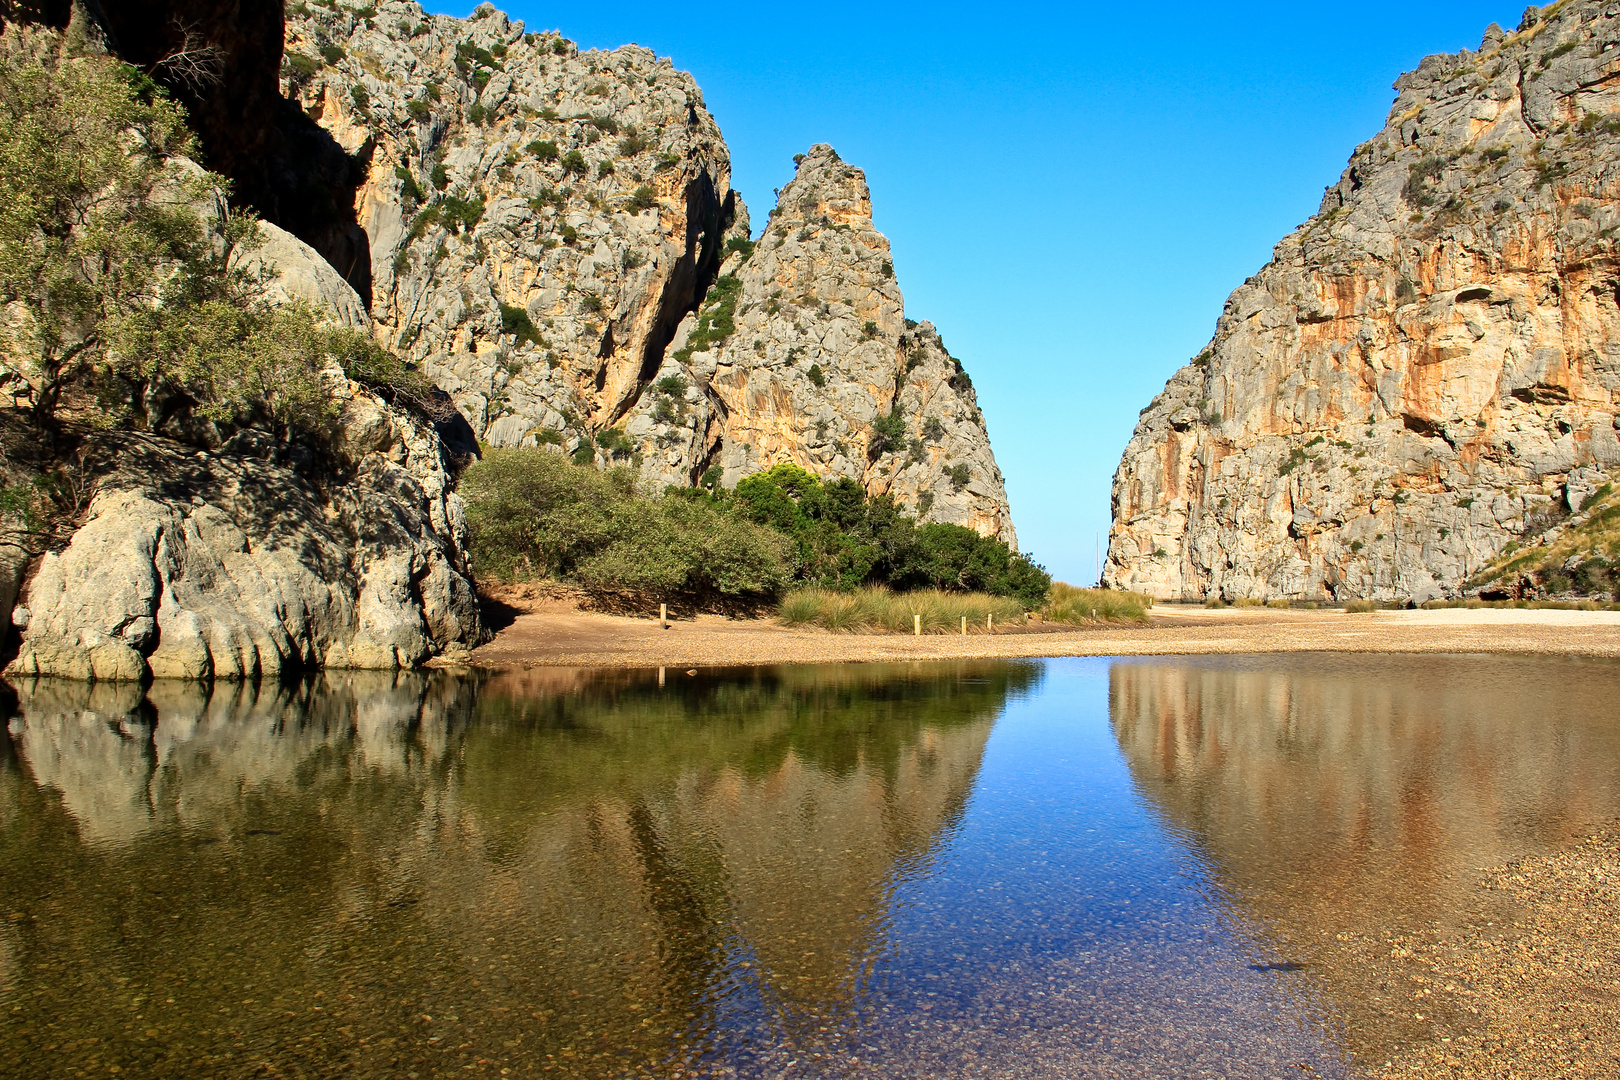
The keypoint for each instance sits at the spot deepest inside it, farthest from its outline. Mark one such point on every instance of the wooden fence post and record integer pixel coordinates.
(663, 616)
(964, 626)
(916, 625)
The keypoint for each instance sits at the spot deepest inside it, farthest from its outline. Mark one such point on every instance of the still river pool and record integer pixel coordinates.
(1065, 868)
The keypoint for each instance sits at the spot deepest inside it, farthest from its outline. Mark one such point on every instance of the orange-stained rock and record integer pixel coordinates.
(1425, 368)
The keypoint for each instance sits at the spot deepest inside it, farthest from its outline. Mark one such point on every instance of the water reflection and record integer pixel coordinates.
(1353, 798)
(556, 869)
(1075, 868)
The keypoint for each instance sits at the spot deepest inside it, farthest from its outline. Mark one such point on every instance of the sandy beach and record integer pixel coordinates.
(554, 632)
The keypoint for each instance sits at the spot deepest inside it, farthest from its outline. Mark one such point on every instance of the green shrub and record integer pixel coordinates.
(409, 189)
(461, 214)
(544, 149)
(816, 375)
(574, 162)
(847, 539)
(739, 244)
(439, 175)
(332, 53)
(643, 198)
(1076, 606)
(418, 109)
(631, 145)
(300, 67)
(888, 433)
(515, 321)
(605, 124)
(476, 113)
(361, 98)
(1360, 607)
(959, 475)
(532, 515)
(604, 168)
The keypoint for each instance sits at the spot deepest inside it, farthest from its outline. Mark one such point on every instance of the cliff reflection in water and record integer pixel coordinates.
(551, 868)
(1354, 797)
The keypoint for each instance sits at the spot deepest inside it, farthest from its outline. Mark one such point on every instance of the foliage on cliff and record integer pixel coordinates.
(130, 299)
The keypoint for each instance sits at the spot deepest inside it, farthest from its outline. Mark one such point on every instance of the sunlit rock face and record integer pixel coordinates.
(646, 872)
(1342, 803)
(1427, 369)
(553, 236)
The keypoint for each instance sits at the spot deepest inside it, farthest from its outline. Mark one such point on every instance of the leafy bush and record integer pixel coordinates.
(816, 375)
(574, 162)
(631, 145)
(332, 53)
(515, 321)
(604, 168)
(846, 539)
(439, 175)
(418, 109)
(409, 189)
(739, 244)
(643, 198)
(532, 515)
(299, 67)
(544, 149)
(959, 475)
(888, 433)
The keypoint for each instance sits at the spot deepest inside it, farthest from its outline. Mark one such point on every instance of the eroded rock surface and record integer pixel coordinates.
(1428, 369)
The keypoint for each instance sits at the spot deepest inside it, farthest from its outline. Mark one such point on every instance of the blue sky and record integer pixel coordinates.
(1071, 190)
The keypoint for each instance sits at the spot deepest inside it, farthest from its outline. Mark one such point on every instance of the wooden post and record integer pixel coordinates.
(663, 616)
(916, 625)
(660, 676)
(964, 626)
(990, 622)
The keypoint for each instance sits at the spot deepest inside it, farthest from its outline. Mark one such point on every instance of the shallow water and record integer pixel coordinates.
(1068, 868)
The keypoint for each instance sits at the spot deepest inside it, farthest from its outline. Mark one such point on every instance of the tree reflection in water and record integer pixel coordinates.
(579, 870)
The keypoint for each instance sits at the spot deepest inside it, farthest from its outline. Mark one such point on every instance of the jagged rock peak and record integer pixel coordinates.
(1427, 368)
(803, 354)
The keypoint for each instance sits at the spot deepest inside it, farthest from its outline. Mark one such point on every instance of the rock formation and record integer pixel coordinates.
(1428, 369)
(547, 229)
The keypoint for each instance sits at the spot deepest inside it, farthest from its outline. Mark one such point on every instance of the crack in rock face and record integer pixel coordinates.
(1426, 369)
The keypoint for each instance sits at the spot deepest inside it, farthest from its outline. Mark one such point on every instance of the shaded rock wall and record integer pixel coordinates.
(1423, 369)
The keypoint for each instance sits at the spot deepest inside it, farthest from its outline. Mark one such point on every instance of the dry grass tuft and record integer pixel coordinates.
(1075, 606)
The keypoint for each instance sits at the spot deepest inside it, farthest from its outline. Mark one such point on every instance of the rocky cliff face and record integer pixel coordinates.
(546, 236)
(803, 353)
(234, 563)
(1428, 369)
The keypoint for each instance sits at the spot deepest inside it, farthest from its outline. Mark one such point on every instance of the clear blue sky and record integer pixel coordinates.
(1071, 190)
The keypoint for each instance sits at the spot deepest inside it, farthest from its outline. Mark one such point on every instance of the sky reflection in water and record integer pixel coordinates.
(1065, 868)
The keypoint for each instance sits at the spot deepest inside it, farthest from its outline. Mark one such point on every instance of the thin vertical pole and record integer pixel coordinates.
(916, 625)
(663, 616)
(964, 626)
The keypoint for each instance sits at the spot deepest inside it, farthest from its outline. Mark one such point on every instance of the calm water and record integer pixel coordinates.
(1074, 868)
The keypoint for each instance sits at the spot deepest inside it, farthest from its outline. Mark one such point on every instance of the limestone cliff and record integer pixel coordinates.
(232, 562)
(1428, 369)
(821, 367)
(541, 221)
